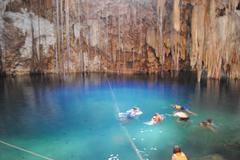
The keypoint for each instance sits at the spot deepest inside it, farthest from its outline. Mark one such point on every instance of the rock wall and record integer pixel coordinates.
(215, 38)
(122, 36)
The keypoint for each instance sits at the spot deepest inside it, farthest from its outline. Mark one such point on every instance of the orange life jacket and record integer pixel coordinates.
(179, 156)
(157, 118)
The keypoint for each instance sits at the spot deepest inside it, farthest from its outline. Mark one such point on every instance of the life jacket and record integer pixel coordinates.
(157, 118)
(179, 156)
(178, 107)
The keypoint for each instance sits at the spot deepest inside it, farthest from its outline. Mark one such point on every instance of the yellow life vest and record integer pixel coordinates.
(178, 107)
(180, 156)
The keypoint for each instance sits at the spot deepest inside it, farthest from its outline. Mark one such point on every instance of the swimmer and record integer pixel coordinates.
(134, 112)
(182, 116)
(208, 124)
(157, 118)
(178, 154)
(130, 114)
(183, 108)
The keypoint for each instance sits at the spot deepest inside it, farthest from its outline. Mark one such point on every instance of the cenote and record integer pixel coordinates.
(75, 118)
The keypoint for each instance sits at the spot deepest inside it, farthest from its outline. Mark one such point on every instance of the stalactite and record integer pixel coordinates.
(176, 15)
(177, 51)
(107, 52)
(199, 70)
(119, 42)
(179, 41)
(81, 57)
(99, 54)
(34, 68)
(161, 9)
(88, 45)
(79, 38)
(57, 51)
(38, 45)
(134, 25)
(140, 30)
(62, 38)
(176, 26)
(213, 68)
(67, 33)
(200, 38)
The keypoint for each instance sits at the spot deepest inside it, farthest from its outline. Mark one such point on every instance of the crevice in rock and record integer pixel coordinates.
(238, 6)
(220, 12)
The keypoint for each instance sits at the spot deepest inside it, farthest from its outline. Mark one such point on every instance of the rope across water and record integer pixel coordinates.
(25, 150)
(133, 145)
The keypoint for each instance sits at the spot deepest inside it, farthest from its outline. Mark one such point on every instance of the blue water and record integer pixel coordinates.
(75, 118)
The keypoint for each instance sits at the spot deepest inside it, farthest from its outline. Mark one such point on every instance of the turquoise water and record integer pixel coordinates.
(75, 118)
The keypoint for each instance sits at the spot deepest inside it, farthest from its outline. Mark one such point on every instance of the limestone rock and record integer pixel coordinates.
(123, 36)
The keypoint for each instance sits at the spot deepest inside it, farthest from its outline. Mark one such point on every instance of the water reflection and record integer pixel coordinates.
(37, 92)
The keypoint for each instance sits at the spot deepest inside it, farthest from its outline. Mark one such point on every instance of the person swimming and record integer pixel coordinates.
(130, 114)
(178, 154)
(183, 108)
(182, 116)
(208, 124)
(134, 112)
(157, 118)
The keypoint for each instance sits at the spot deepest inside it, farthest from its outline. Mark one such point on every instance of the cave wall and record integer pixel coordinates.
(123, 36)
(216, 38)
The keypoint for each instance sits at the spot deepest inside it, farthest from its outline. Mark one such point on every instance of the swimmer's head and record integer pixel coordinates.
(135, 108)
(204, 124)
(176, 149)
(209, 120)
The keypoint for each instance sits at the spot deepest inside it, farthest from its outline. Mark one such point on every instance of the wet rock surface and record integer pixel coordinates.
(124, 36)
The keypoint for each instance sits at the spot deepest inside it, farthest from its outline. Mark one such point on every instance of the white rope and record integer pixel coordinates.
(134, 147)
(25, 150)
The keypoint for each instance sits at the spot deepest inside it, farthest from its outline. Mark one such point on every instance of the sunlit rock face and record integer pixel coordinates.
(216, 38)
(122, 36)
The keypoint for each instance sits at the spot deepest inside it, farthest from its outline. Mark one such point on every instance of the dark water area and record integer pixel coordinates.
(74, 117)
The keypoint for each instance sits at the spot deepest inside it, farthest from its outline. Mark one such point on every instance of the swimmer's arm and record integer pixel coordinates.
(129, 111)
(187, 110)
(212, 129)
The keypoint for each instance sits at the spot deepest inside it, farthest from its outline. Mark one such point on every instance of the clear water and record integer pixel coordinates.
(75, 119)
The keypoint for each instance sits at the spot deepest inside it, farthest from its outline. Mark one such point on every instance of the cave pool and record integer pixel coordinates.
(74, 118)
